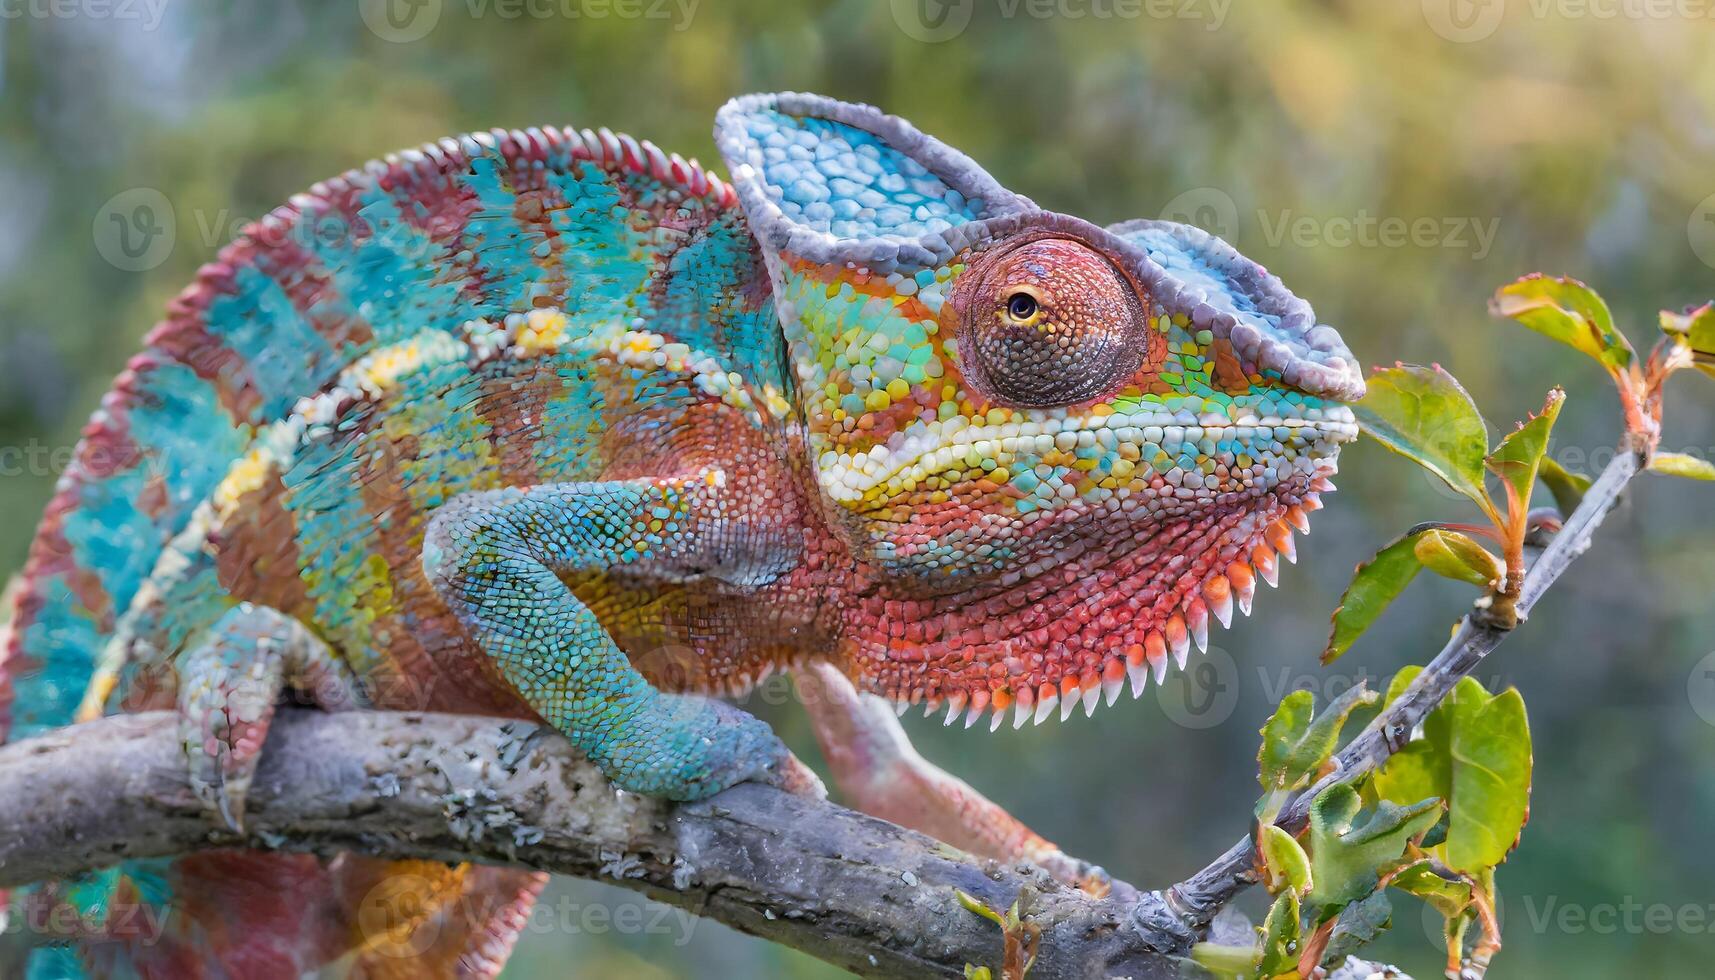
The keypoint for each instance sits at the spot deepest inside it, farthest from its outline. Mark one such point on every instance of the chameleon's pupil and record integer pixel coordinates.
(1022, 306)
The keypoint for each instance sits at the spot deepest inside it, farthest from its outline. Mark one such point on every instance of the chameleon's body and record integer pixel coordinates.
(554, 426)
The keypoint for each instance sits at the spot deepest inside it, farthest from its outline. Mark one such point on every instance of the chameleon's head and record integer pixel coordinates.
(990, 389)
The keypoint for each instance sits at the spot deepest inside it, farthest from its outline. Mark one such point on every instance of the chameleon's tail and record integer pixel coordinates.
(257, 916)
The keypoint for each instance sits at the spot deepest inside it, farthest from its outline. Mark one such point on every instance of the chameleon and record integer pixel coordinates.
(551, 424)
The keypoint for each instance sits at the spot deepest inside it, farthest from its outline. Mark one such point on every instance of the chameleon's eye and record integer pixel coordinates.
(1021, 307)
(1048, 322)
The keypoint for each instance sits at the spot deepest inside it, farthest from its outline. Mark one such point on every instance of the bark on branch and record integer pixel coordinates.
(855, 891)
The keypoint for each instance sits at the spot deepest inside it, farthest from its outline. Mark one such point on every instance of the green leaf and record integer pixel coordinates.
(1568, 311)
(1420, 771)
(1346, 858)
(1450, 898)
(1225, 961)
(1456, 556)
(1296, 741)
(1288, 865)
(1291, 719)
(1424, 768)
(1359, 924)
(1375, 583)
(1567, 487)
(1519, 455)
(1281, 931)
(1422, 413)
(975, 904)
(1679, 464)
(1491, 782)
(1696, 329)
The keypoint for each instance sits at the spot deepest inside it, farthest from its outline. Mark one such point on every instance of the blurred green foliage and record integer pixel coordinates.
(1390, 174)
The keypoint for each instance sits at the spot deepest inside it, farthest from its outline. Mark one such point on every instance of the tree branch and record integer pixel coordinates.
(1199, 897)
(855, 891)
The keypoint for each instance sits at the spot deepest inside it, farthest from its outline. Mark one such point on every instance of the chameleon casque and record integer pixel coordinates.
(547, 423)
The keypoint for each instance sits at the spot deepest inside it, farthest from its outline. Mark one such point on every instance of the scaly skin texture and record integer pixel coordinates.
(548, 424)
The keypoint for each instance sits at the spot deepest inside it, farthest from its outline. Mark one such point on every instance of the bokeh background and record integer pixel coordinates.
(1393, 161)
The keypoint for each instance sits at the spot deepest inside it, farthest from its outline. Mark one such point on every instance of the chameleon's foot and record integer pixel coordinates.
(793, 776)
(686, 747)
(229, 687)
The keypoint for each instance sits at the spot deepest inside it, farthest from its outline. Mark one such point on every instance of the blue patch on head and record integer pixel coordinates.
(850, 183)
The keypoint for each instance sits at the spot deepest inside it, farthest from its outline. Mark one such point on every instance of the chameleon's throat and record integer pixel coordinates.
(1078, 632)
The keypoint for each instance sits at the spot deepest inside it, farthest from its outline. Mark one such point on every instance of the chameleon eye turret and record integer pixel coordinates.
(1047, 321)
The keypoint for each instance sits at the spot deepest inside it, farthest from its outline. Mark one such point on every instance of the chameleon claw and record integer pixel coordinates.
(231, 808)
(793, 776)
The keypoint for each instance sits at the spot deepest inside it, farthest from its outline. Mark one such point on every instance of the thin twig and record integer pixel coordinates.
(1199, 897)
